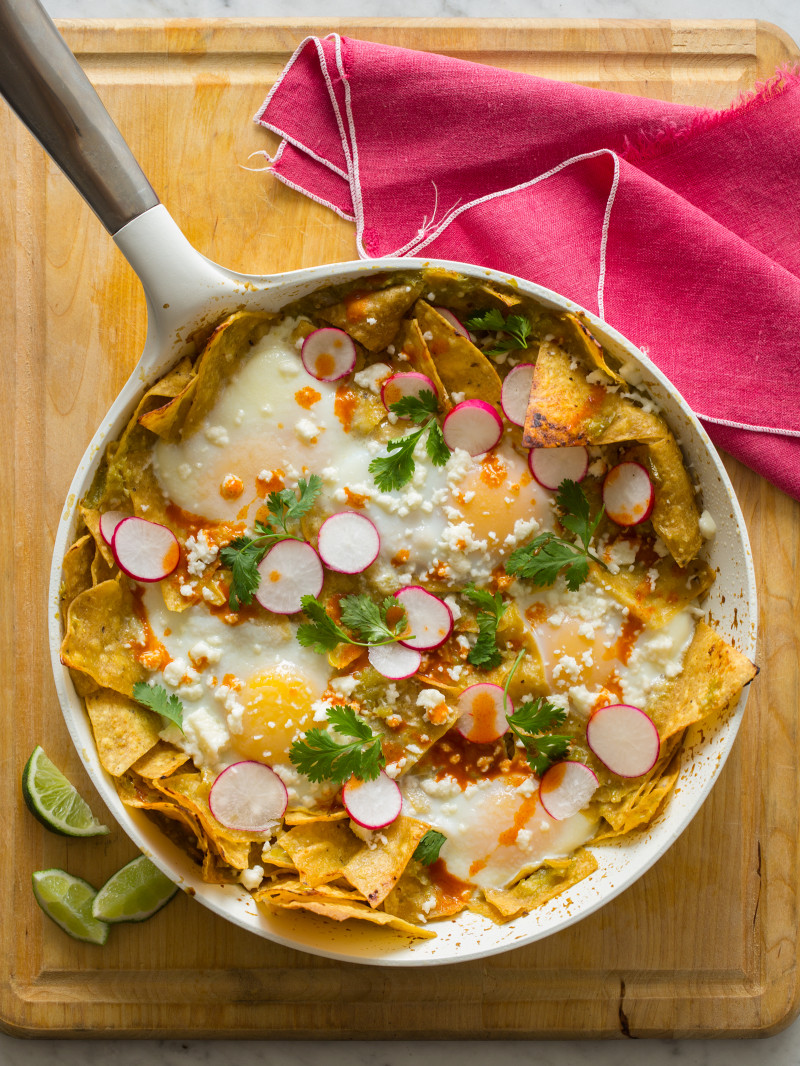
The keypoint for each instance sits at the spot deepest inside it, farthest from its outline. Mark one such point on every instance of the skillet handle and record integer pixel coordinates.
(43, 82)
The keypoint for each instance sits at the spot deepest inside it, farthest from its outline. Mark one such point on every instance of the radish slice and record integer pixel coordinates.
(566, 788)
(328, 354)
(628, 494)
(483, 718)
(551, 466)
(288, 571)
(456, 323)
(474, 425)
(372, 804)
(395, 661)
(397, 386)
(429, 618)
(248, 796)
(348, 542)
(108, 524)
(624, 739)
(145, 551)
(516, 393)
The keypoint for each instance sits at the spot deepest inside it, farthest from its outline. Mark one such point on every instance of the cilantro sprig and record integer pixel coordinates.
(517, 330)
(394, 470)
(359, 613)
(243, 554)
(530, 723)
(548, 555)
(485, 652)
(321, 756)
(157, 699)
(427, 851)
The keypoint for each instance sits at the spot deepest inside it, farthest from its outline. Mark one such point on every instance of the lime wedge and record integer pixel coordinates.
(134, 893)
(52, 799)
(68, 901)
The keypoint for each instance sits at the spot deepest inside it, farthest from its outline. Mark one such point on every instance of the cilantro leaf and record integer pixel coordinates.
(417, 408)
(437, 450)
(548, 555)
(529, 723)
(370, 619)
(155, 697)
(321, 634)
(396, 468)
(490, 320)
(243, 554)
(322, 757)
(427, 851)
(491, 609)
(517, 330)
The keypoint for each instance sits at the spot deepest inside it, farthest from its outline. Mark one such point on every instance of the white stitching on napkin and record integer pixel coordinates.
(744, 425)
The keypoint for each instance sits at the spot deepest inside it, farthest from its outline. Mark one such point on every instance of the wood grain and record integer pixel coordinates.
(706, 942)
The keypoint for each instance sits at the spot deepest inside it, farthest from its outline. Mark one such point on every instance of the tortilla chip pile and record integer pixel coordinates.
(315, 861)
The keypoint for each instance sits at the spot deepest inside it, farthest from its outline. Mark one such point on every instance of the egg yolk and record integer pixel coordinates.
(277, 706)
(572, 658)
(497, 493)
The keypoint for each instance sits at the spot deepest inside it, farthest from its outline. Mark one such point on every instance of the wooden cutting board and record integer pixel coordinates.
(706, 942)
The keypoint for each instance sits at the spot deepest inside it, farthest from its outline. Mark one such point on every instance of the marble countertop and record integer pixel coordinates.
(781, 1050)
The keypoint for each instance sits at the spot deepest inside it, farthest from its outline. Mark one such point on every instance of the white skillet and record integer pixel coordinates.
(44, 84)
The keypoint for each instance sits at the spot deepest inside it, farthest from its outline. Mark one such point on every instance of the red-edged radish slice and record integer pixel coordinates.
(395, 661)
(328, 354)
(348, 542)
(411, 383)
(473, 425)
(628, 494)
(372, 804)
(248, 796)
(289, 571)
(429, 618)
(566, 788)
(145, 551)
(516, 393)
(109, 521)
(483, 718)
(455, 322)
(551, 466)
(624, 739)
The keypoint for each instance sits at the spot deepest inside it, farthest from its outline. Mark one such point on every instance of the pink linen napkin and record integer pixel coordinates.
(679, 226)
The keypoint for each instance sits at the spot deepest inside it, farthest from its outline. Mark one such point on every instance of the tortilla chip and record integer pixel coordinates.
(76, 571)
(552, 878)
(92, 519)
(123, 730)
(461, 366)
(640, 807)
(274, 855)
(374, 871)
(675, 516)
(220, 358)
(216, 872)
(412, 344)
(714, 673)
(294, 888)
(166, 421)
(161, 761)
(100, 630)
(190, 791)
(414, 897)
(671, 590)
(302, 816)
(335, 904)
(588, 347)
(321, 850)
(372, 318)
(566, 409)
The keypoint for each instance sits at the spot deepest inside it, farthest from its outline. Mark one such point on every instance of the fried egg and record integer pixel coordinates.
(496, 829)
(273, 423)
(248, 690)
